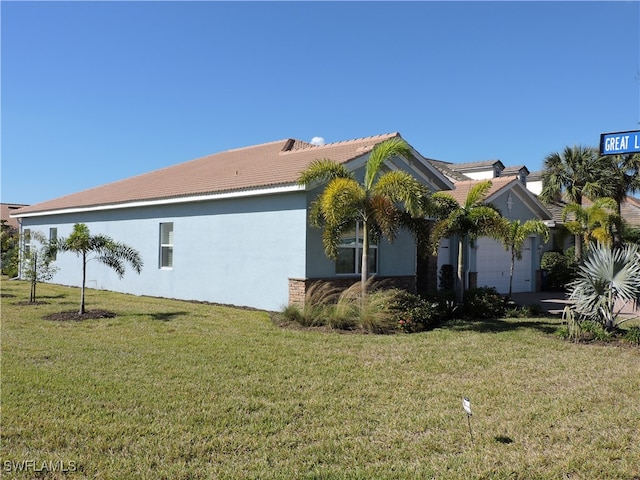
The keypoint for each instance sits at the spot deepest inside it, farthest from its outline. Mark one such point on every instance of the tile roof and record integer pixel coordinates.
(498, 185)
(7, 209)
(481, 165)
(446, 169)
(535, 176)
(462, 189)
(515, 170)
(630, 210)
(267, 165)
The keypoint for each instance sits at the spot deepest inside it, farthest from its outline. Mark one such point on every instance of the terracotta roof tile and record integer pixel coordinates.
(260, 166)
(8, 209)
(462, 189)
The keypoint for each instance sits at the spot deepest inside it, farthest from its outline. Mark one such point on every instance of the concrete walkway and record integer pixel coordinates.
(554, 303)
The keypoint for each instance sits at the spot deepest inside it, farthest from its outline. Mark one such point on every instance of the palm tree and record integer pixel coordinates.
(470, 220)
(575, 173)
(607, 276)
(595, 223)
(514, 235)
(378, 204)
(113, 254)
(620, 176)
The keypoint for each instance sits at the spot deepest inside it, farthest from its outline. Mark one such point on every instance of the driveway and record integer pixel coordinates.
(554, 303)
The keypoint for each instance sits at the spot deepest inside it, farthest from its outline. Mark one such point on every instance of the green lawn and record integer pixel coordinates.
(179, 390)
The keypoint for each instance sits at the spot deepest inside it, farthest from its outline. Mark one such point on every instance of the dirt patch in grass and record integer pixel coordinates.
(74, 316)
(27, 303)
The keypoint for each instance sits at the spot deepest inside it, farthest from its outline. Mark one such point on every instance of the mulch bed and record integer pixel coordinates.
(74, 316)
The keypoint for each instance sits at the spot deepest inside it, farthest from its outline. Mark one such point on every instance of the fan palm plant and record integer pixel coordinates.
(607, 277)
(380, 204)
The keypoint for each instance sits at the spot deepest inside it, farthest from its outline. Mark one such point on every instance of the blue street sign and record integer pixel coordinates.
(619, 143)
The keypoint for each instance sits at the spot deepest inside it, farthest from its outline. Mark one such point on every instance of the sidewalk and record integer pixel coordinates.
(554, 302)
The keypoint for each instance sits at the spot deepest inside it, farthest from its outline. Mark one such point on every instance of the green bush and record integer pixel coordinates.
(632, 335)
(483, 302)
(416, 314)
(559, 270)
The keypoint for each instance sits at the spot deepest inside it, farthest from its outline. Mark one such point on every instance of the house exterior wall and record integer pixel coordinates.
(235, 251)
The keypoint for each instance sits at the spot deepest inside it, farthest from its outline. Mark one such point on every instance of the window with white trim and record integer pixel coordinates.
(26, 242)
(349, 259)
(166, 245)
(53, 238)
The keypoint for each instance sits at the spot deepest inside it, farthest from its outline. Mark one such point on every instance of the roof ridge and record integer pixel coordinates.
(292, 143)
(361, 139)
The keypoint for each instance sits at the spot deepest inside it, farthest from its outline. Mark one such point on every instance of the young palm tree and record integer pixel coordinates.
(608, 275)
(576, 173)
(596, 223)
(113, 254)
(470, 220)
(514, 235)
(378, 204)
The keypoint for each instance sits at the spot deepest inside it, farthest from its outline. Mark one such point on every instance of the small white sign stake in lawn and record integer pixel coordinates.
(466, 404)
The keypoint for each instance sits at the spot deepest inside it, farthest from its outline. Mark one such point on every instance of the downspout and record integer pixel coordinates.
(20, 250)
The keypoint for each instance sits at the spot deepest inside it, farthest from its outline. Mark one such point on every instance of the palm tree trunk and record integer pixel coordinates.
(459, 286)
(364, 269)
(513, 261)
(578, 247)
(84, 278)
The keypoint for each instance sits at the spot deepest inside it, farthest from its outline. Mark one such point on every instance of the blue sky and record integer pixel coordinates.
(96, 92)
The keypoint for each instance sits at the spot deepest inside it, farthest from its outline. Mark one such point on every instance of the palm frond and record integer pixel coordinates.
(399, 186)
(393, 147)
(323, 171)
(342, 198)
(477, 194)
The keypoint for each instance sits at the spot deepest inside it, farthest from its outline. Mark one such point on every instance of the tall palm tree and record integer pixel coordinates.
(595, 223)
(470, 220)
(378, 204)
(514, 235)
(106, 250)
(575, 173)
(620, 175)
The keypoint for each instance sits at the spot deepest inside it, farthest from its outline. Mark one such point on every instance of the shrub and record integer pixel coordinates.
(559, 270)
(528, 311)
(414, 314)
(632, 335)
(483, 302)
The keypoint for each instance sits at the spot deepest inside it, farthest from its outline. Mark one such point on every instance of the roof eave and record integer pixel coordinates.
(270, 190)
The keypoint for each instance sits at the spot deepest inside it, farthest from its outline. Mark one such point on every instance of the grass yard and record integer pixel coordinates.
(179, 390)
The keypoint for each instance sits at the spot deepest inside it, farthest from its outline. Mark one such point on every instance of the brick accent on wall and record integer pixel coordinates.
(298, 287)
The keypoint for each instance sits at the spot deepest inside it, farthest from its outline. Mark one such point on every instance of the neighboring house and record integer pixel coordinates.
(487, 261)
(228, 228)
(631, 211)
(8, 209)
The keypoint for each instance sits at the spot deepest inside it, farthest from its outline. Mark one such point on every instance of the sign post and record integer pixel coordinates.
(619, 143)
(466, 404)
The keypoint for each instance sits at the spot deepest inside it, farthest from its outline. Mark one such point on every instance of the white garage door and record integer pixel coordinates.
(493, 263)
